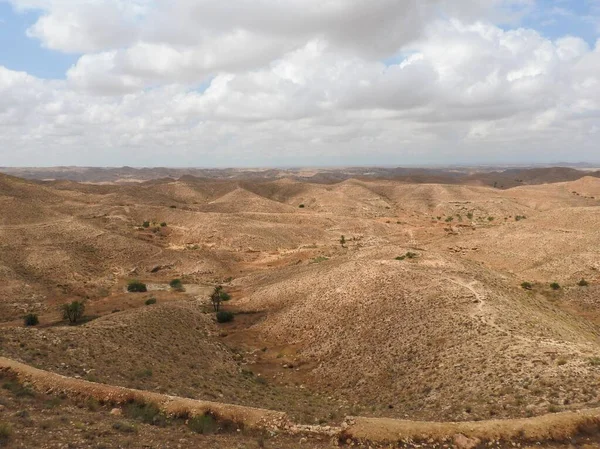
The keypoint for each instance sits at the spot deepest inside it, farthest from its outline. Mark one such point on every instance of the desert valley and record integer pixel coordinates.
(355, 306)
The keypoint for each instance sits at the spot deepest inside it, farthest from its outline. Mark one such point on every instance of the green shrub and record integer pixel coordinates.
(555, 286)
(408, 255)
(136, 287)
(583, 283)
(527, 285)
(73, 311)
(225, 296)
(146, 413)
(176, 284)
(301, 206)
(490, 218)
(470, 215)
(124, 427)
(173, 206)
(595, 361)
(145, 373)
(449, 219)
(146, 224)
(520, 217)
(17, 389)
(150, 301)
(31, 319)
(224, 317)
(203, 424)
(5, 432)
(163, 224)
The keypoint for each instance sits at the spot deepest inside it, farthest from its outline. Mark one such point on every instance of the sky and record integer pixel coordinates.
(265, 83)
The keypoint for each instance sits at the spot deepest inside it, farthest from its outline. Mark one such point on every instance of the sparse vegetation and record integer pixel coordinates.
(583, 283)
(176, 284)
(319, 259)
(595, 361)
(163, 224)
(555, 286)
(301, 206)
(216, 298)
(490, 218)
(449, 219)
(343, 241)
(520, 217)
(470, 215)
(31, 319)
(5, 432)
(124, 427)
(527, 286)
(146, 224)
(136, 287)
(224, 316)
(146, 413)
(408, 255)
(204, 424)
(150, 301)
(73, 311)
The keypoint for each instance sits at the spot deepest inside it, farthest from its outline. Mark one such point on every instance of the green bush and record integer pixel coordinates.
(301, 206)
(490, 218)
(150, 301)
(18, 389)
(203, 424)
(470, 215)
(136, 287)
(146, 413)
(225, 296)
(527, 285)
(5, 432)
(224, 317)
(583, 283)
(31, 319)
(124, 427)
(163, 224)
(408, 255)
(146, 224)
(555, 286)
(73, 311)
(176, 284)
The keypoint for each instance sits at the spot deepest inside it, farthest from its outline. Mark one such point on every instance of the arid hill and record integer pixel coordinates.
(420, 311)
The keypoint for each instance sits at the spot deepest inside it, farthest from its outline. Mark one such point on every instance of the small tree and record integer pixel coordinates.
(136, 287)
(31, 319)
(74, 311)
(216, 297)
(343, 241)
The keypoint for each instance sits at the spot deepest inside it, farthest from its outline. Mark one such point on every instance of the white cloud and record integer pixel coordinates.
(298, 81)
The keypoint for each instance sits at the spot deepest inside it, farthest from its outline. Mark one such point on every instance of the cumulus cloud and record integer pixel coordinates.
(268, 82)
